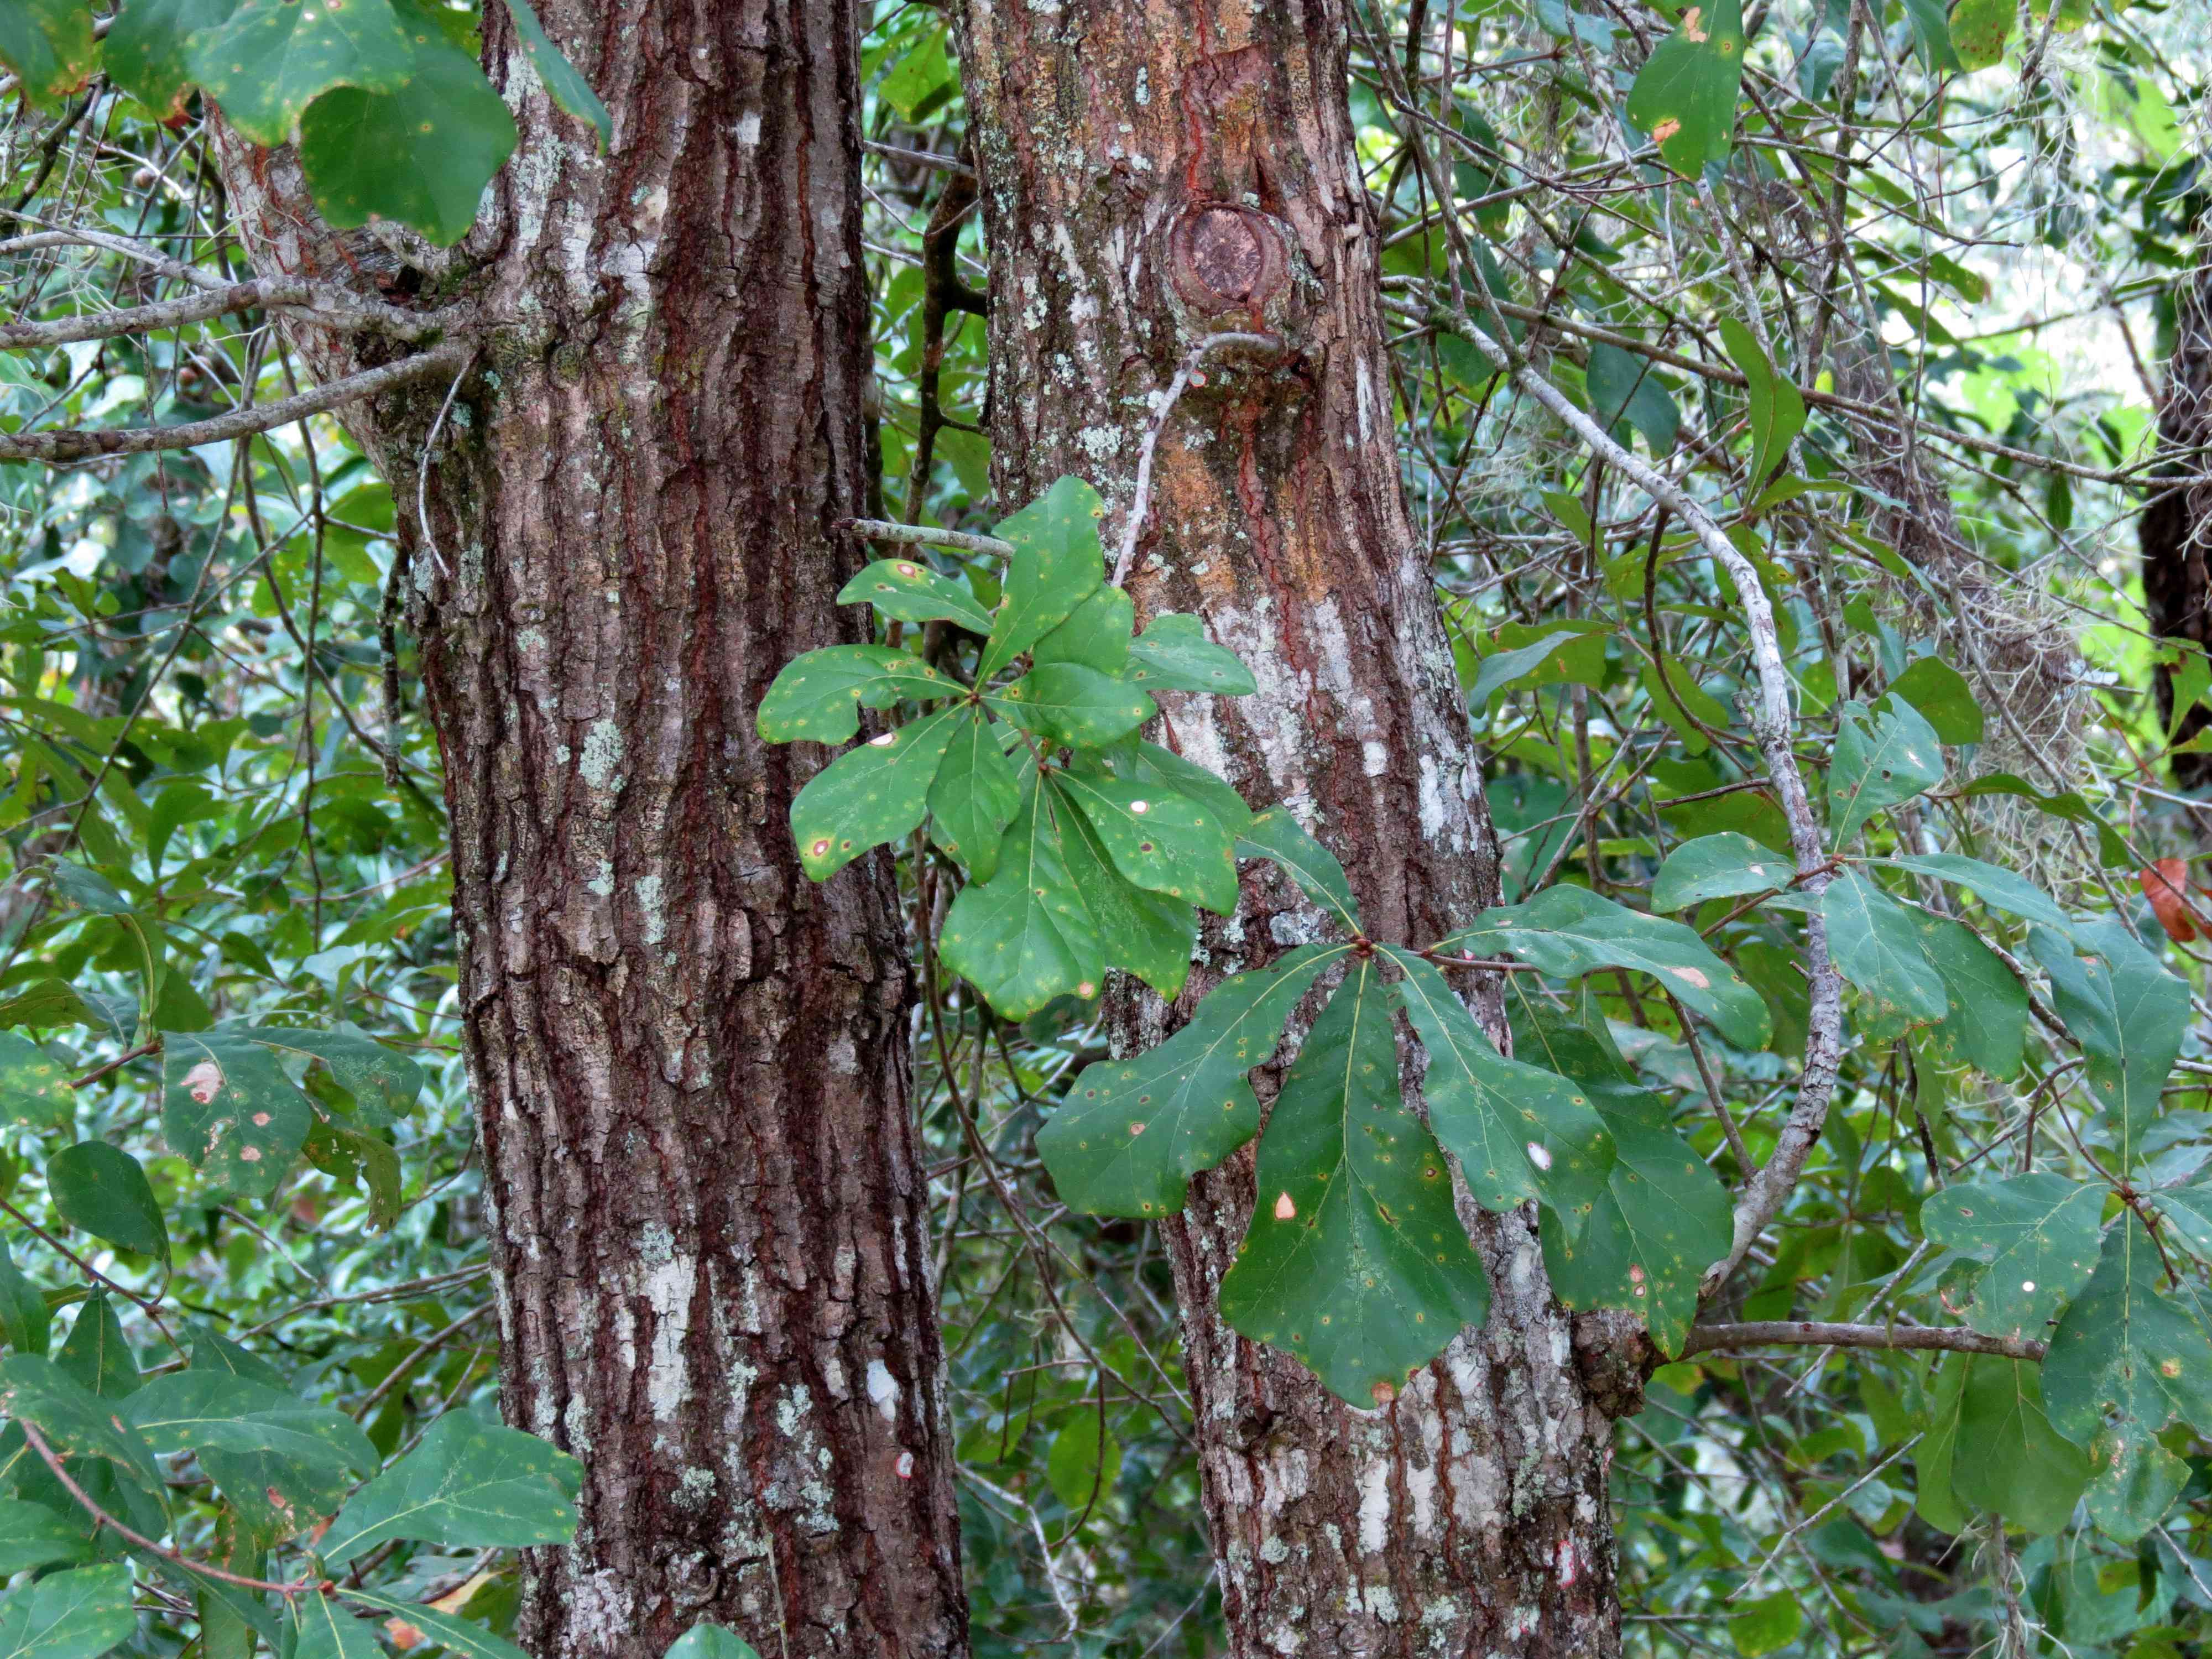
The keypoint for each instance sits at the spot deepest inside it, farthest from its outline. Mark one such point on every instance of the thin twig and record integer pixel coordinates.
(1186, 374)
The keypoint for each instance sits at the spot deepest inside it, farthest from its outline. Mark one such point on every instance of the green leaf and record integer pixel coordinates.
(384, 1084)
(710, 1642)
(1084, 1463)
(49, 45)
(421, 152)
(2122, 1347)
(78, 1614)
(2189, 1210)
(213, 1352)
(96, 1357)
(911, 592)
(1072, 704)
(1146, 762)
(1724, 865)
(563, 85)
(101, 1190)
(1881, 762)
(1501, 669)
(202, 1409)
(1056, 566)
(25, 1320)
(87, 890)
(1684, 96)
(35, 1390)
(871, 794)
(455, 1635)
(1165, 843)
(1625, 387)
(1932, 29)
(2039, 1234)
(1999, 889)
(147, 53)
(1777, 408)
(323, 1629)
(271, 60)
(976, 794)
(1149, 934)
(1355, 1260)
(470, 1485)
(1876, 945)
(1944, 699)
(32, 1536)
(1569, 931)
(34, 1086)
(1934, 1497)
(1979, 29)
(1096, 634)
(2007, 1457)
(1026, 936)
(2135, 1480)
(1518, 1131)
(50, 1002)
(1174, 655)
(818, 697)
(1130, 1133)
(1276, 836)
(1985, 1023)
(1770, 1622)
(2127, 1013)
(1661, 1218)
(228, 1108)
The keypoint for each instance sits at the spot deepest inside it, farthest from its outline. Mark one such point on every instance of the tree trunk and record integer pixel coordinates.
(2177, 526)
(1152, 175)
(689, 1062)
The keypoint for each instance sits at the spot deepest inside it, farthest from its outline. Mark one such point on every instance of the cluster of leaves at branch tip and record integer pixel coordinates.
(393, 116)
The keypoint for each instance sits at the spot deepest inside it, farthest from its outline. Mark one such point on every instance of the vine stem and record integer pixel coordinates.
(1797, 1332)
(38, 1444)
(1186, 375)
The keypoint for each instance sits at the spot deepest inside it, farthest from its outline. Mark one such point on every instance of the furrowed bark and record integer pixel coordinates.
(1153, 176)
(2177, 526)
(690, 1063)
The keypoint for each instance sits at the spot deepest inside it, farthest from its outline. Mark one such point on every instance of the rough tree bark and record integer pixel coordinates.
(1153, 174)
(713, 1280)
(2177, 526)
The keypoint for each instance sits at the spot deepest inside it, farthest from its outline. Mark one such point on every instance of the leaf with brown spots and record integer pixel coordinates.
(228, 1108)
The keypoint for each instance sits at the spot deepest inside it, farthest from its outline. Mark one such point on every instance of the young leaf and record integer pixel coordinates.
(147, 52)
(1149, 934)
(1056, 566)
(1661, 1218)
(101, 1188)
(818, 697)
(1355, 1260)
(470, 1485)
(1174, 655)
(1881, 762)
(567, 89)
(976, 795)
(871, 794)
(78, 1614)
(420, 152)
(227, 1107)
(1569, 931)
(1724, 865)
(33, 1087)
(2123, 1347)
(910, 591)
(1130, 1133)
(1026, 936)
(1518, 1131)
(1876, 946)
(2127, 1013)
(1072, 704)
(2039, 1234)
(2007, 1456)
(1167, 843)
(1096, 634)
(1276, 836)
(1684, 95)
(270, 60)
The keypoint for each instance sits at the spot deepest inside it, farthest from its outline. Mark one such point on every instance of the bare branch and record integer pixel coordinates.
(1795, 1332)
(1185, 375)
(921, 535)
(81, 443)
(326, 307)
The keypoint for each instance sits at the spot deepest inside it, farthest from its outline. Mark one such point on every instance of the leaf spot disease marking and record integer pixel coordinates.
(884, 741)
(1666, 130)
(1691, 976)
(1539, 1157)
(1286, 1210)
(204, 1081)
(1140, 807)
